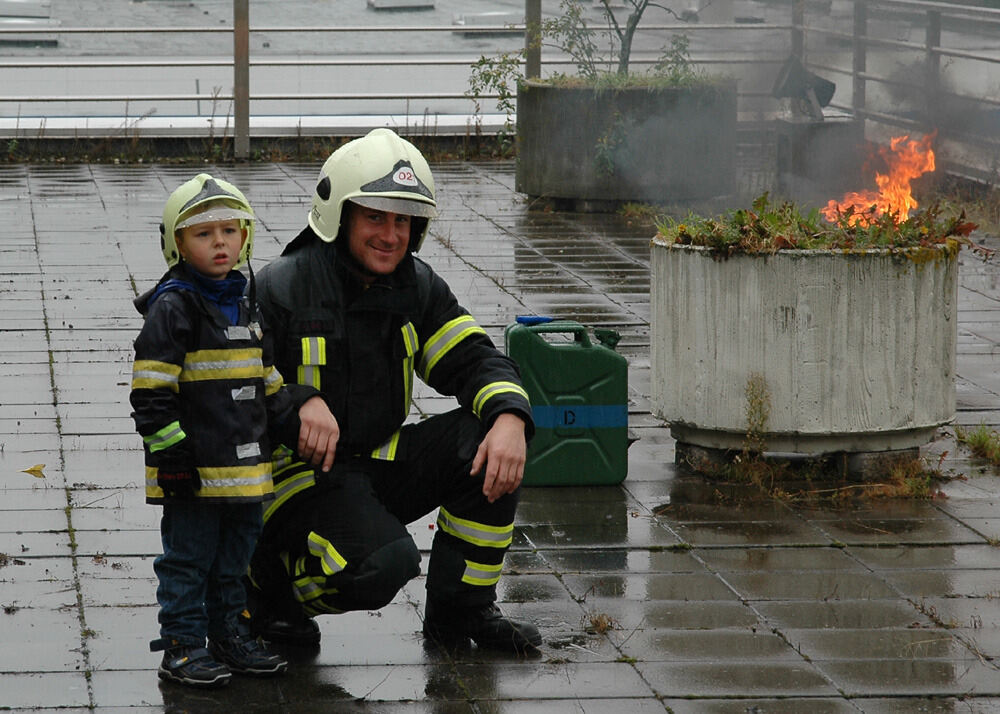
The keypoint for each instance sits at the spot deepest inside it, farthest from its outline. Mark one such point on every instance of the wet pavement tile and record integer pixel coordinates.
(843, 614)
(716, 645)
(912, 676)
(902, 530)
(728, 678)
(650, 587)
(823, 585)
(887, 643)
(940, 705)
(745, 533)
(45, 690)
(814, 705)
(768, 560)
(931, 557)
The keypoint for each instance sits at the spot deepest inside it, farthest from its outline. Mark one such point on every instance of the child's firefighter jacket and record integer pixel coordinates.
(206, 395)
(362, 347)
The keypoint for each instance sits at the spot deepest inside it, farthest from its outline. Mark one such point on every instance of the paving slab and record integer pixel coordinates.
(667, 592)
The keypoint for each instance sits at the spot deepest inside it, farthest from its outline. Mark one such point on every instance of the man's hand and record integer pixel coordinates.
(318, 434)
(503, 451)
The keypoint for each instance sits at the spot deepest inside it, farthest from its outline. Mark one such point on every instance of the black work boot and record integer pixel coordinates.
(303, 632)
(274, 624)
(485, 625)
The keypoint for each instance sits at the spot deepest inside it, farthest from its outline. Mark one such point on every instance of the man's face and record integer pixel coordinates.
(377, 239)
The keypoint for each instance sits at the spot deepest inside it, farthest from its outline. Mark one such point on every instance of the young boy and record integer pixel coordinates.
(210, 407)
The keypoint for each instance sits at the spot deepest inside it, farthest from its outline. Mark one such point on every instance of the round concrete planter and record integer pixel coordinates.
(856, 350)
(633, 144)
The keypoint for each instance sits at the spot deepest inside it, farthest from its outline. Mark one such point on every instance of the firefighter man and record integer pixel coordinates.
(356, 314)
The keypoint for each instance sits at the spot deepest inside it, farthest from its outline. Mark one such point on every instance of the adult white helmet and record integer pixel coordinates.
(379, 170)
(204, 199)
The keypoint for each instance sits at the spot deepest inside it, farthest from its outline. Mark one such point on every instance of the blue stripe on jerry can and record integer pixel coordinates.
(580, 416)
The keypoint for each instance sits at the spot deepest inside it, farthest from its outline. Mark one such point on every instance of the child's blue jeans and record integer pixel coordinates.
(206, 551)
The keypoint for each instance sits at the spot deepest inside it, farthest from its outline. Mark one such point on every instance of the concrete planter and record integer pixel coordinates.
(857, 350)
(634, 144)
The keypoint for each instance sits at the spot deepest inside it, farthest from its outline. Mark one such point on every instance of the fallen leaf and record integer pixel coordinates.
(35, 471)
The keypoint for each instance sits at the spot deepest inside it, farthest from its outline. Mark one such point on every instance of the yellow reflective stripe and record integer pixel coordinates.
(281, 461)
(287, 488)
(152, 374)
(475, 533)
(308, 588)
(308, 376)
(412, 344)
(313, 350)
(223, 481)
(481, 573)
(222, 364)
(449, 335)
(387, 451)
(493, 389)
(165, 437)
(332, 561)
(272, 380)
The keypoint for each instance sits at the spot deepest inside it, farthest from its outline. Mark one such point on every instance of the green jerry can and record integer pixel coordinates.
(579, 401)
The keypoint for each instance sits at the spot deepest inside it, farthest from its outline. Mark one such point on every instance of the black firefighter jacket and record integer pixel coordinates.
(205, 393)
(362, 346)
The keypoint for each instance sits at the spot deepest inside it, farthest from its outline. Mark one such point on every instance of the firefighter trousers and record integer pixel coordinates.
(338, 541)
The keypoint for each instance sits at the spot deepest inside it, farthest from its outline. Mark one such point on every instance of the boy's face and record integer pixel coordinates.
(212, 248)
(377, 239)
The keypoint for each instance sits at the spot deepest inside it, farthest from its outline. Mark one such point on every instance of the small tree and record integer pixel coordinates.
(570, 33)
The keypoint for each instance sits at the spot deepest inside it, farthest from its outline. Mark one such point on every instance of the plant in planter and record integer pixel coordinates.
(605, 134)
(849, 325)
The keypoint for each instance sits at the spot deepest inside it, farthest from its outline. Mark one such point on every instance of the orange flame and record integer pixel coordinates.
(907, 159)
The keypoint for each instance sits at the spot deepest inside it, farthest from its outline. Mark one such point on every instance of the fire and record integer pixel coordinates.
(907, 159)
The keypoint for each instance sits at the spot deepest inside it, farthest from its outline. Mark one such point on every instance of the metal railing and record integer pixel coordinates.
(251, 94)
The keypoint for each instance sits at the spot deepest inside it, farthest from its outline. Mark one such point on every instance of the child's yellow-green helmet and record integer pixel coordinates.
(380, 170)
(204, 199)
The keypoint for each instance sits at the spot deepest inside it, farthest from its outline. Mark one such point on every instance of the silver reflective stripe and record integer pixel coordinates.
(245, 451)
(481, 573)
(248, 391)
(387, 451)
(475, 533)
(163, 377)
(309, 376)
(222, 364)
(450, 334)
(238, 332)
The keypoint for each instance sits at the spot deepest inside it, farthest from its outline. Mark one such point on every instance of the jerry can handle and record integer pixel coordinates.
(578, 330)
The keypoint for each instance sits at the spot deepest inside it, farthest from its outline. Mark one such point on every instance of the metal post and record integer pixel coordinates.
(241, 79)
(798, 21)
(932, 84)
(532, 39)
(860, 63)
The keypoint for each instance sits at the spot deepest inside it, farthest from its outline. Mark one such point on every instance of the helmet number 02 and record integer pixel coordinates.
(405, 177)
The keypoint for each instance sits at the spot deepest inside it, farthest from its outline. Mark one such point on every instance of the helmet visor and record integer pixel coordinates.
(402, 206)
(213, 214)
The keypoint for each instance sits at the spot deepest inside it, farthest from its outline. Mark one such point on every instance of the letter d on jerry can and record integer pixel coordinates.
(579, 401)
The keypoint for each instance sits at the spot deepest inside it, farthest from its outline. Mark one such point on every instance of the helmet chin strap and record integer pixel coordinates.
(252, 294)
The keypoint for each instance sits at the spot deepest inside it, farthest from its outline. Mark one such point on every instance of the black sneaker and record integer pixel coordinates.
(247, 655)
(193, 666)
(486, 626)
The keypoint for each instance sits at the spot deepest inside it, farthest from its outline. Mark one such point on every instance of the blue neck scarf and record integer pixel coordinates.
(226, 294)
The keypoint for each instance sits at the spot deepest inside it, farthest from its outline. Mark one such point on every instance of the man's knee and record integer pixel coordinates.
(381, 575)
